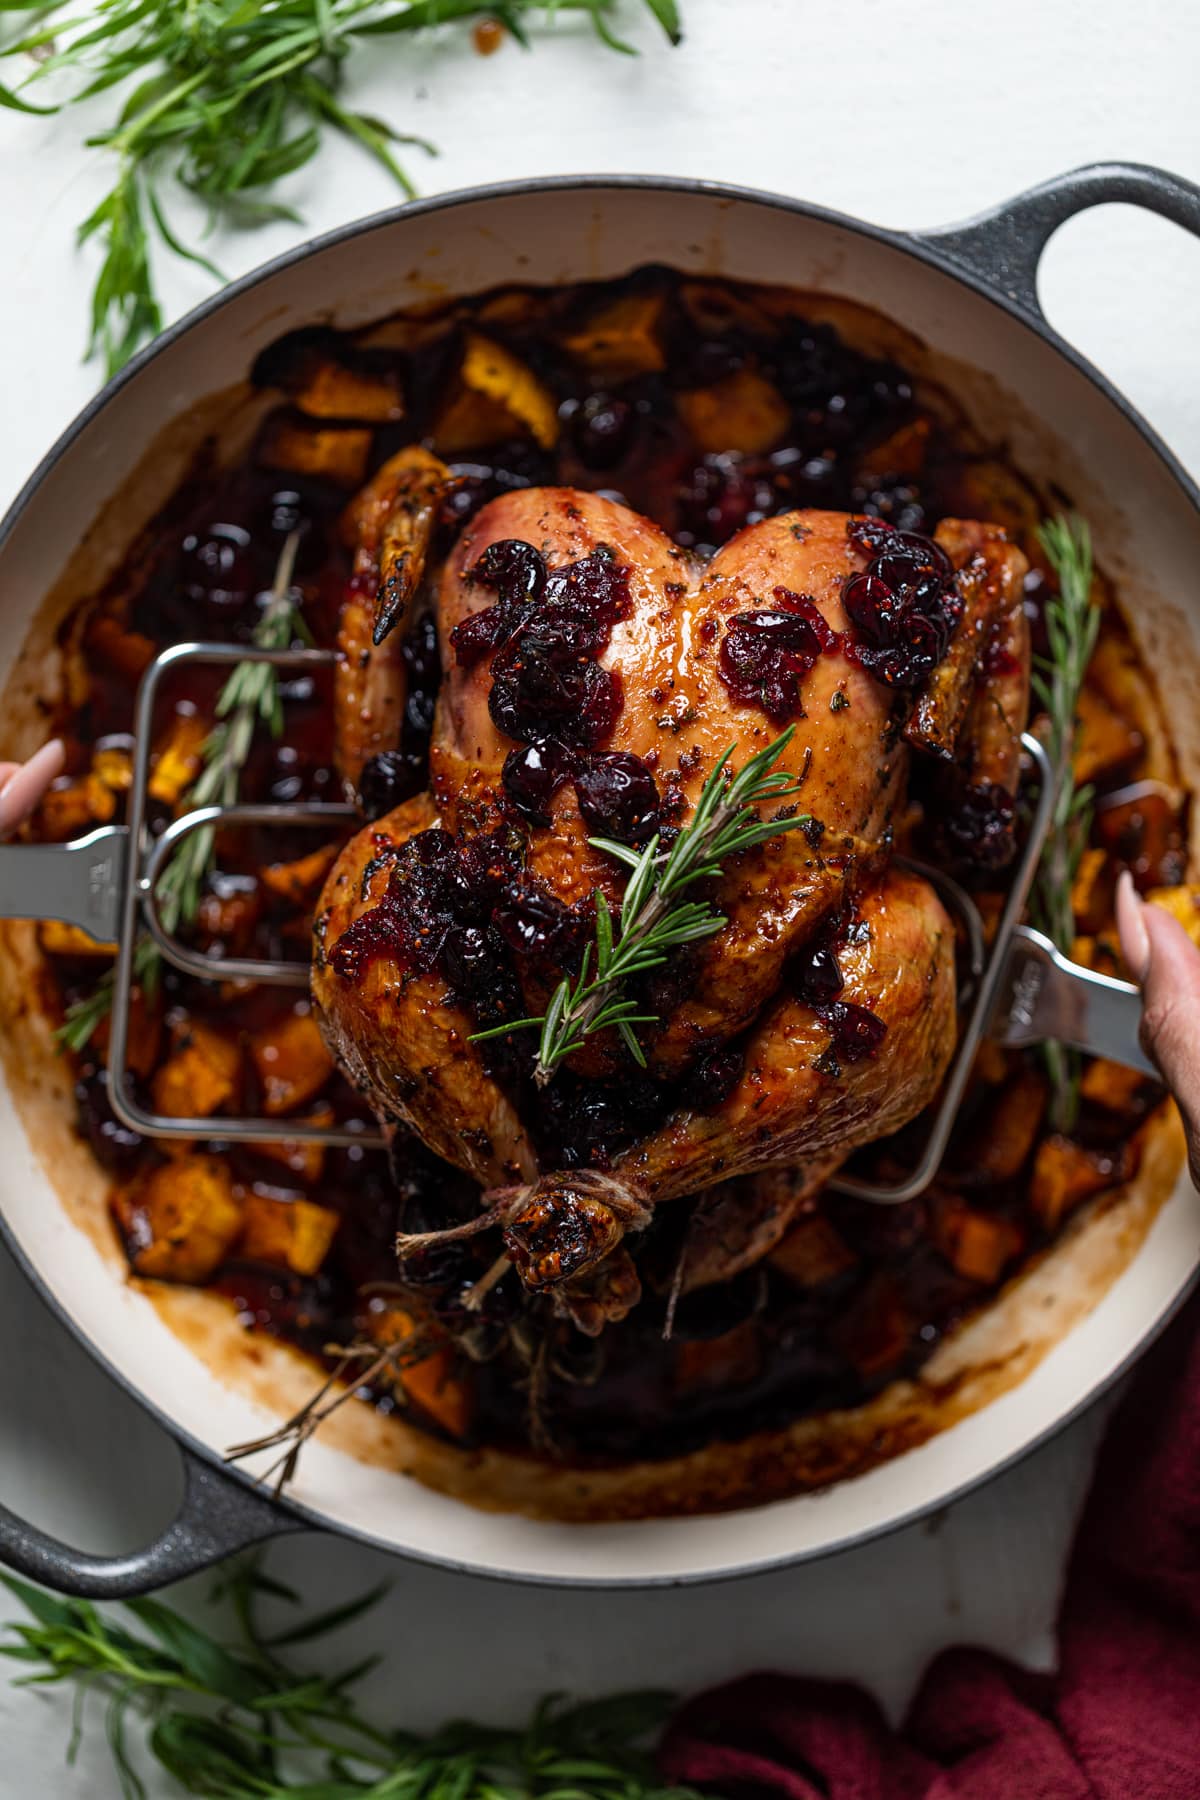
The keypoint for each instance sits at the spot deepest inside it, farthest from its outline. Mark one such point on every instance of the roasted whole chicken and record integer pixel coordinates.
(595, 676)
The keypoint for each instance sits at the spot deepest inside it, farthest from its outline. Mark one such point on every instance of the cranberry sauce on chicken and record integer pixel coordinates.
(578, 639)
(585, 554)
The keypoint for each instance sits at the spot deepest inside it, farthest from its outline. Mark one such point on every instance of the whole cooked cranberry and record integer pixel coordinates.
(721, 495)
(713, 1079)
(855, 1030)
(475, 635)
(980, 825)
(596, 589)
(218, 570)
(602, 429)
(585, 1122)
(532, 776)
(600, 708)
(487, 864)
(386, 781)
(818, 976)
(286, 511)
(470, 959)
(512, 568)
(763, 656)
(903, 608)
(870, 603)
(534, 923)
(618, 797)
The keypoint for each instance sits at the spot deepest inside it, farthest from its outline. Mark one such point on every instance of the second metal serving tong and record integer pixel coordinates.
(1024, 990)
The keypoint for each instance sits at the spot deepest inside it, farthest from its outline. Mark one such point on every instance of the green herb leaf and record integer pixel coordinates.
(1072, 624)
(238, 1724)
(227, 98)
(724, 822)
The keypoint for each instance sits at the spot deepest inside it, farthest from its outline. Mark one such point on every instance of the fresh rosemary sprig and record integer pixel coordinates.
(228, 97)
(1072, 623)
(653, 921)
(250, 696)
(241, 1723)
(83, 1018)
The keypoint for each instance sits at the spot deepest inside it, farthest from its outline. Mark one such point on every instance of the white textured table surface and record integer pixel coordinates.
(908, 115)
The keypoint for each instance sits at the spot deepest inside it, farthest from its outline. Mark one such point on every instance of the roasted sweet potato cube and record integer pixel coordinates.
(337, 455)
(291, 1234)
(1105, 741)
(433, 1384)
(1119, 678)
(875, 1331)
(1065, 1175)
(729, 1361)
(292, 1062)
(742, 412)
(1092, 891)
(127, 652)
(181, 1220)
(297, 882)
(978, 1245)
(58, 939)
(143, 1041)
(201, 1074)
(620, 339)
(494, 396)
(1000, 1142)
(113, 765)
(1099, 951)
(178, 757)
(72, 807)
(813, 1252)
(328, 389)
(300, 1156)
(1116, 1088)
(228, 914)
(1183, 903)
(903, 453)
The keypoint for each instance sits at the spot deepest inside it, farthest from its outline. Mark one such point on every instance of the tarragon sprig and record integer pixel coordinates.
(653, 921)
(1072, 623)
(250, 696)
(223, 101)
(243, 1721)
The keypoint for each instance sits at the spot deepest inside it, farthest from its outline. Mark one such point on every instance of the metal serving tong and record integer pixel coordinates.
(1023, 990)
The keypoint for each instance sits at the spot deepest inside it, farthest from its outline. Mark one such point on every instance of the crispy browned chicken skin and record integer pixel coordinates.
(404, 1037)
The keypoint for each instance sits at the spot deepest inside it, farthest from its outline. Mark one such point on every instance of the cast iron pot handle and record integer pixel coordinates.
(1004, 246)
(216, 1517)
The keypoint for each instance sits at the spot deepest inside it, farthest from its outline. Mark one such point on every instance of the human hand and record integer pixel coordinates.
(23, 784)
(1166, 966)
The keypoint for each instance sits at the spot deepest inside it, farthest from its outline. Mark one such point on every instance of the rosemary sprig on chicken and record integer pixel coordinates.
(1072, 624)
(653, 921)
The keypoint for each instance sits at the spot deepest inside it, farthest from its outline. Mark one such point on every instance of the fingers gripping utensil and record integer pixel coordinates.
(105, 884)
(1024, 990)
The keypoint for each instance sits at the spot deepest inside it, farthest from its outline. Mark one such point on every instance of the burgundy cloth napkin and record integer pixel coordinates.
(1120, 1720)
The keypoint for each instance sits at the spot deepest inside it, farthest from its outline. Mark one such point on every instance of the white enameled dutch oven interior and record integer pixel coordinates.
(1057, 421)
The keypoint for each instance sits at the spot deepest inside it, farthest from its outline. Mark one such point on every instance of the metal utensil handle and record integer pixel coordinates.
(80, 883)
(217, 1516)
(1004, 246)
(983, 1006)
(1048, 996)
